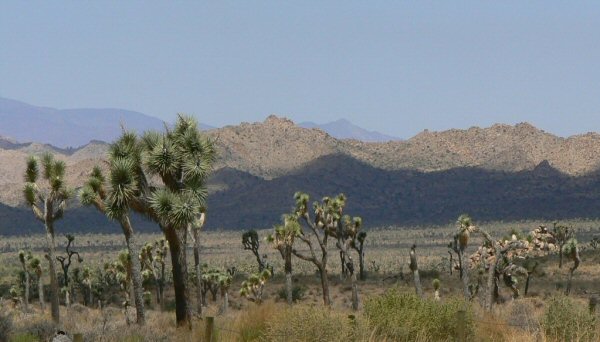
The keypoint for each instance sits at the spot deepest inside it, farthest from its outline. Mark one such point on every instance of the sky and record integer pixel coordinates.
(397, 67)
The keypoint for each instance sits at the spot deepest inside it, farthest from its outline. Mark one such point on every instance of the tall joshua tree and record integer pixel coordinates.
(346, 233)
(283, 241)
(327, 216)
(114, 200)
(181, 159)
(48, 204)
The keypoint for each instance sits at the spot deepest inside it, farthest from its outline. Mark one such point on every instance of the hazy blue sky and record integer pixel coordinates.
(397, 67)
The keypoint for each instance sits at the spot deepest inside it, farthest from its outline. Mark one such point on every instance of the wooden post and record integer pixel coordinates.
(461, 325)
(208, 332)
(78, 337)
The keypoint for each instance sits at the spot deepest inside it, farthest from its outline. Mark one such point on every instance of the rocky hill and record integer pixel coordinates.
(500, 172)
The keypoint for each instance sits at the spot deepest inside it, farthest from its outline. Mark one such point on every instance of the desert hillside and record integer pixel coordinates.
(525, 172)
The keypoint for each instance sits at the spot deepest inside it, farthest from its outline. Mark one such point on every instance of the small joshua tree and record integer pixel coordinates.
(252, 288)
(358, 244)
(65, 263)
(36, 266)
(224, 280)
(572, 251)
(251, 242)
(530, 265)
(48, 205)
(436, 289)
(24, 259)
(461, 241)
(153, 259)
(415, 270)
(562, 234)
(283, 241)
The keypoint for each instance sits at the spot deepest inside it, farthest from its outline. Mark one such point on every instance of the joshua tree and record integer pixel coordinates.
(114, 201)
(252, 288)
(194, 231)
(461, 241)
(562, 234)
(572, 251)
(415, 270)
(283, 241)
(251, 242)
(358, 244)
(24, 258)
(530, 265)
(182, 159)
(153, 259)
(48, 205)
(328, 214)
(346, 233)
(65, 263)
(83, 278)
(36, 265)
(225, 279)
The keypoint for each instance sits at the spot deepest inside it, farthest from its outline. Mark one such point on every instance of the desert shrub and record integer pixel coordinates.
(298, 292)
(25, 337)
(566, 320)
(252, 322)
(309, 323)
(6, 327)
(43, 329)
(406, 317)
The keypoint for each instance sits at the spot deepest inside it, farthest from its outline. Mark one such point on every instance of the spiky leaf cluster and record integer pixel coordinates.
(285, 233)
(252, 288)
(53, 172)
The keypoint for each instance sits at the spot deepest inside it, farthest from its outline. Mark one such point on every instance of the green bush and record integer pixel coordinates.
(566, 320)
(25, 337)
(309, 323)
(298, 292)
(406, 317)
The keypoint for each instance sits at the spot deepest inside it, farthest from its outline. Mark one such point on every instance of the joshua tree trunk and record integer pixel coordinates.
(560, 256)
(344, 271)
(225, 295)
(361, 262)
(325, 286)
(491, 287)
(54, 291)
(26, 294)
(415, 269)
(288, 276)
(178, 259)
(41, 292)
(464, 275)
(136, 276)
(355, 299)
(90, 294)
(576, 261)
(198, 269)
(527, 283)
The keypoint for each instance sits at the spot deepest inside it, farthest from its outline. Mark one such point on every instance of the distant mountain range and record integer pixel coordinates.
(344, 129)
(71, 128)
(502, 172)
